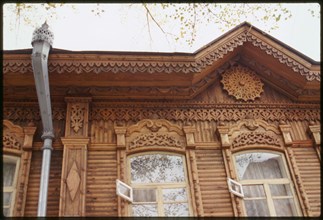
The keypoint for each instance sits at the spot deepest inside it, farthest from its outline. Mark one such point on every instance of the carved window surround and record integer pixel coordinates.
(18, 141)
(249, 132)
(159, 135)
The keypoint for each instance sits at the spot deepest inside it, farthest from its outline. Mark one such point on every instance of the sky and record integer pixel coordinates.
(124, 28)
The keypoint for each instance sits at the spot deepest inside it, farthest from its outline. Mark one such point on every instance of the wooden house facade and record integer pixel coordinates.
(230, 130)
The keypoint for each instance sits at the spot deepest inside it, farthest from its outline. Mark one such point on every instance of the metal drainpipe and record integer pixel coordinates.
(41, 42)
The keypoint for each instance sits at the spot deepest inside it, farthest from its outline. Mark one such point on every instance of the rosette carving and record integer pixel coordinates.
(242, 83)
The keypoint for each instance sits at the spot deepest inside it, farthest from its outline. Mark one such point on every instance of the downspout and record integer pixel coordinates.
(42, 41)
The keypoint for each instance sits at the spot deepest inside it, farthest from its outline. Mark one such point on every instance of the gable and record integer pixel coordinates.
(240, 84)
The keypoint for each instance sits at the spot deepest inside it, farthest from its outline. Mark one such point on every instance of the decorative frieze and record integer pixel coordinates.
(215, 113)
(251, 138)
(188, 64)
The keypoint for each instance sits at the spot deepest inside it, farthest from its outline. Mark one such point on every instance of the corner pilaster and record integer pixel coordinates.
(74, 168)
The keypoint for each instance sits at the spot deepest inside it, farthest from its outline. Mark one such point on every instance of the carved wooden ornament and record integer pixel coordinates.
(242, 83)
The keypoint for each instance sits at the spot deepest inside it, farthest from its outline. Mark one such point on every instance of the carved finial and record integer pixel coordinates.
(43, 34)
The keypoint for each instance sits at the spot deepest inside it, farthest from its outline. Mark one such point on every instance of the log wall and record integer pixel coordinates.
(101, 198)
(308, 166)
(34, 182)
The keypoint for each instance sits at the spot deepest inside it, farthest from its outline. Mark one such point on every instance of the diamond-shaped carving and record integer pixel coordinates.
(73, 180)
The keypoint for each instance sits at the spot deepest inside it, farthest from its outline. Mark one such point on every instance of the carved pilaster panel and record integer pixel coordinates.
(77, 117)
(73, 180)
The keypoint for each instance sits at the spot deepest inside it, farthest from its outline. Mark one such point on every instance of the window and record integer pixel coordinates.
(267, 188)
(10, 171)
(159, 185)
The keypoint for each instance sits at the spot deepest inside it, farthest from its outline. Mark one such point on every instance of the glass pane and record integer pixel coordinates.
(157, 168)
(7, 198)
(177, 194)
(8, 173)
(144, 195)
(144, 210)
(252, 191)
(176, 209)
(124, 190)
(285, 207)
(280, 190)
(256, 207)
(6, 212)
(260, 166)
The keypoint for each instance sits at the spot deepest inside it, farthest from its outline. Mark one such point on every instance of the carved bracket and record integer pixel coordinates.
(286, 130)
(316, 133)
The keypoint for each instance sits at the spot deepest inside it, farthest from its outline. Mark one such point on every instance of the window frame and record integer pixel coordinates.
(11, 189)
(266, 182)
(160, 186)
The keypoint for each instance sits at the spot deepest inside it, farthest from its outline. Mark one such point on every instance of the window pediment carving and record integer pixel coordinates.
(155, 139)
(251, 138)
(13, 135)
(10, 141)
(154, 125)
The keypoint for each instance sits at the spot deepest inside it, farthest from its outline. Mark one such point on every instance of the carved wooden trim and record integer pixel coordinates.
(77, 116)
(246, 138)
(180, 64)
(286, 131)
(242, 83)
(19, 141)
(253, 124)
(154, 126)
(218, 112)
(188, 112)
(155, 139)
(251, 138)
(316, 133)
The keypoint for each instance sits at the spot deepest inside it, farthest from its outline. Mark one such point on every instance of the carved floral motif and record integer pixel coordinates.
(155, 139)
(254, 138)
(77, 117)
(242, 83)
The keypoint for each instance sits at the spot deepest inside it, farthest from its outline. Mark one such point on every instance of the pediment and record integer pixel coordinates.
(169, 76)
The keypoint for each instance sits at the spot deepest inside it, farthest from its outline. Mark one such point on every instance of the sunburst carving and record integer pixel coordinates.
(73, 181)
(242, 83)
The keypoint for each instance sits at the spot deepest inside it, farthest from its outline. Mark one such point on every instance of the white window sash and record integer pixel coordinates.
(120, 184)
(232, 183)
